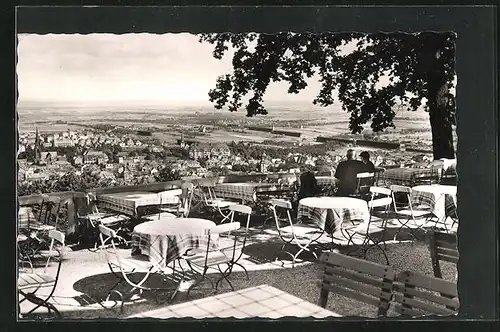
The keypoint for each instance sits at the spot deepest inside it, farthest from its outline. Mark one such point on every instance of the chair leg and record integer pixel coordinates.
(244, 269)
(225, 275)
(285, 252)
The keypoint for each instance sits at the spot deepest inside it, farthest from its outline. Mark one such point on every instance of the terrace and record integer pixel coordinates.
(87, 289)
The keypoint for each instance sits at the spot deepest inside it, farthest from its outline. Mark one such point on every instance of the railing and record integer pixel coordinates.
(151, 187)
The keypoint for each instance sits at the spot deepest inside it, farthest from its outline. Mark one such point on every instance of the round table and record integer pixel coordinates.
(330, 212)
(165, 239)
(441, 198)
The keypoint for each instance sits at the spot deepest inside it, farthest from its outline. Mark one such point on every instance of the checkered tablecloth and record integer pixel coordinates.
(330, 212)
(127, 203)
(165, 239)
(260, 301)
(25, 216)
(406, 176)
(442, 199)
(245, 192)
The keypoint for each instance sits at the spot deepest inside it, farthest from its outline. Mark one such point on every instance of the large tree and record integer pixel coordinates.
(377, 72)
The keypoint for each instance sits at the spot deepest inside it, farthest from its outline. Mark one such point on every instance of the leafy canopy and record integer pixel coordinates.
(382, 70)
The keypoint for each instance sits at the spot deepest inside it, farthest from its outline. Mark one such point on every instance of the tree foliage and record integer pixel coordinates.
(382, 70)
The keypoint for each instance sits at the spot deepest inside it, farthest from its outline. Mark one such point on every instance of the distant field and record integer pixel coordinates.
(170, 121)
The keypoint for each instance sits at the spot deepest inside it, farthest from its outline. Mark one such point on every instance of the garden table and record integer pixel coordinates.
(441, 198)
(244, 191)
(330, 212)
(128, 202)
(407, 176)
(260, 301)
(167, 238)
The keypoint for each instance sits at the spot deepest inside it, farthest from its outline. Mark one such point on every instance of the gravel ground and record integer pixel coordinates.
(86, 277)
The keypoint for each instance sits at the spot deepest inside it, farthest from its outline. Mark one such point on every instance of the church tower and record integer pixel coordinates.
(37, 147)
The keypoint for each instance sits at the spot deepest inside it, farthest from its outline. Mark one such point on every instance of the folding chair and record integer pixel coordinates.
(210, 199)
(379, 176)
(405, 212)
(123, 267)
(182, 208)
(417, 295)
(380, 198)
(91, 218)
(200, 262)
(48, 218)
(442, 247)
(365, 181)
(29, 283)
(297, 234)
(358, 279)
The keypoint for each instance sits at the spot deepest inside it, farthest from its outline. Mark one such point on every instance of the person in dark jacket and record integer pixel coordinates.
(346, 174)
(365, 158)
(308, 185)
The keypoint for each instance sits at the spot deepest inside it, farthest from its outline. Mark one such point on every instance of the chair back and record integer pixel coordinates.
(59, 237)
(358, 279)
(442, 247)
(186, 198)
(379, 171)
(419, 295)
(282, 214)
(365, 181)
(207, 190)
(401, 190)
(224, 228)
(282, 203)
(384, 201)
(49, 210)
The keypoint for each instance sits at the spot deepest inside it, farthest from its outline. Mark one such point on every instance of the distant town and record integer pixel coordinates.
(95, 158)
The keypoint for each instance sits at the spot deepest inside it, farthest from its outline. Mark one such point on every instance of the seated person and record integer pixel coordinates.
(308, 186)
(365, 158)
(346, 174)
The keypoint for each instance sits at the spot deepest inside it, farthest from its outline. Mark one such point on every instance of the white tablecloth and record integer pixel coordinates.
(441, 198)
(330, 212)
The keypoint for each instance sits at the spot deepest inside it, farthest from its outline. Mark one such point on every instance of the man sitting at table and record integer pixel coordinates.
(346, 174)
(365, 158)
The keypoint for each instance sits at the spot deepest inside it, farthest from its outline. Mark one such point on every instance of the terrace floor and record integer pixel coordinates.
(86, 277)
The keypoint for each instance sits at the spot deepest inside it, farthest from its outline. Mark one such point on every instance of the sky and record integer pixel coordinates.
(107, 68)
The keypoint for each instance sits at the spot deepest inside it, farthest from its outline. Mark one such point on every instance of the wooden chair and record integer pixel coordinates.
(29, 283)
(416, 295)
(358, 279)
(442, 247)
(297, 234)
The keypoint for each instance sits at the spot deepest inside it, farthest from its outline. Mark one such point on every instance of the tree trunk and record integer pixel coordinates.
(442, 134)
(441, 124)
